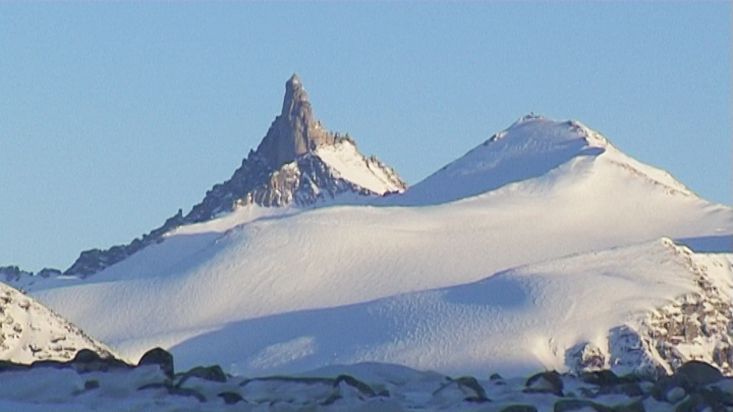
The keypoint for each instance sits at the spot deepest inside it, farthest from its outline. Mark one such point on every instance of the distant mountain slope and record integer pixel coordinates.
(298, 163)
(30, 332)
(217, 274)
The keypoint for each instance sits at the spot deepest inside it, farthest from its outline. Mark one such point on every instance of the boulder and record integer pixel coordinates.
(519, 408)
(545, 382)
(160, 357)
(231, 398)
(87, 360)
(470, 383)
(601, 378)
(212, 373)
(567, 405)
(699, 373)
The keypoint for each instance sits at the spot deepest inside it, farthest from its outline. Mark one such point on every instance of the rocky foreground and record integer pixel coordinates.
(91, 382)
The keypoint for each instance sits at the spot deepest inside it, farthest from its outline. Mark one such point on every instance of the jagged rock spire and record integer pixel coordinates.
(262, 180)
(295, 131)
(296, 98)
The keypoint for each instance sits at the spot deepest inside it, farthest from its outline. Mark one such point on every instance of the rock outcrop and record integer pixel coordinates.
(295, 131)
(696, 326)
(30, 332)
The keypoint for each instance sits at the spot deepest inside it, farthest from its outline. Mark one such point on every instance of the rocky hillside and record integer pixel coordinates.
(31, 332)
(695, 325)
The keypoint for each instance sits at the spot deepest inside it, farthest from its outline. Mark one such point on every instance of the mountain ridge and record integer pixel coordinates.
(285, 169)
(256, 265)
(328, 165)
(555, 197)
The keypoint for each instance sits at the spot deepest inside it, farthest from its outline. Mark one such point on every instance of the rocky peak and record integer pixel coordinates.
(295, 131)
(287, 168)
(295, 94)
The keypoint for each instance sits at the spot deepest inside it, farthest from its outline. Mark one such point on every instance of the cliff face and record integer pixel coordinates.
(295, 131)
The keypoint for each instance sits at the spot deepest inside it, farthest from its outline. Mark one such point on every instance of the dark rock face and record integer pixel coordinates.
(48, 273)
(519, 408)
(601, 378)
(545, 382)
(699, 373)
(95, 260)
(295, 131)
(210, 373)
(304, 182)
(160, 357)
(283, 170)
(471, 384)
(13, 273)
(87, 360)
(86, 356)
(231, 398)
(567, 405)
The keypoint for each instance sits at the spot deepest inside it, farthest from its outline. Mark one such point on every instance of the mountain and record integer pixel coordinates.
(298, 163)
(31, 332)
(531, 147)
(539, 191)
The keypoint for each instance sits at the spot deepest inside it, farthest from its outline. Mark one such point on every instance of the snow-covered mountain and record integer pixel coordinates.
(258, 288)
(531, 147)
(298, 163)
(31, 332)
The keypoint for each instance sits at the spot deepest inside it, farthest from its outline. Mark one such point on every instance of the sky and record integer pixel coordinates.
(115, 115)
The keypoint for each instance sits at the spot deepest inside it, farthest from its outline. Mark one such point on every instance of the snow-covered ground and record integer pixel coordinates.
(514, 322)
(366, 387)
(425, 284)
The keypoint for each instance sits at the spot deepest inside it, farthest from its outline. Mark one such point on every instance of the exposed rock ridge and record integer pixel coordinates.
(295, 131)
(695, 326)
(284, 170)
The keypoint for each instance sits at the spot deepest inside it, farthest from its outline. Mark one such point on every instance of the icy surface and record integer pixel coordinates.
(514, 322)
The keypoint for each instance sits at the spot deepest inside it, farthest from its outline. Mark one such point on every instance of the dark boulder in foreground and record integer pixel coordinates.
(160, 357)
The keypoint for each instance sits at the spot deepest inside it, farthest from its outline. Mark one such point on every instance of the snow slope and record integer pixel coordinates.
(531, 147)
(216, 276)
(349, 164)
(514, 322)
(30, 332)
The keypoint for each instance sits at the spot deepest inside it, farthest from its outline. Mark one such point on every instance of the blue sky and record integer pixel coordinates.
(114, 115)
